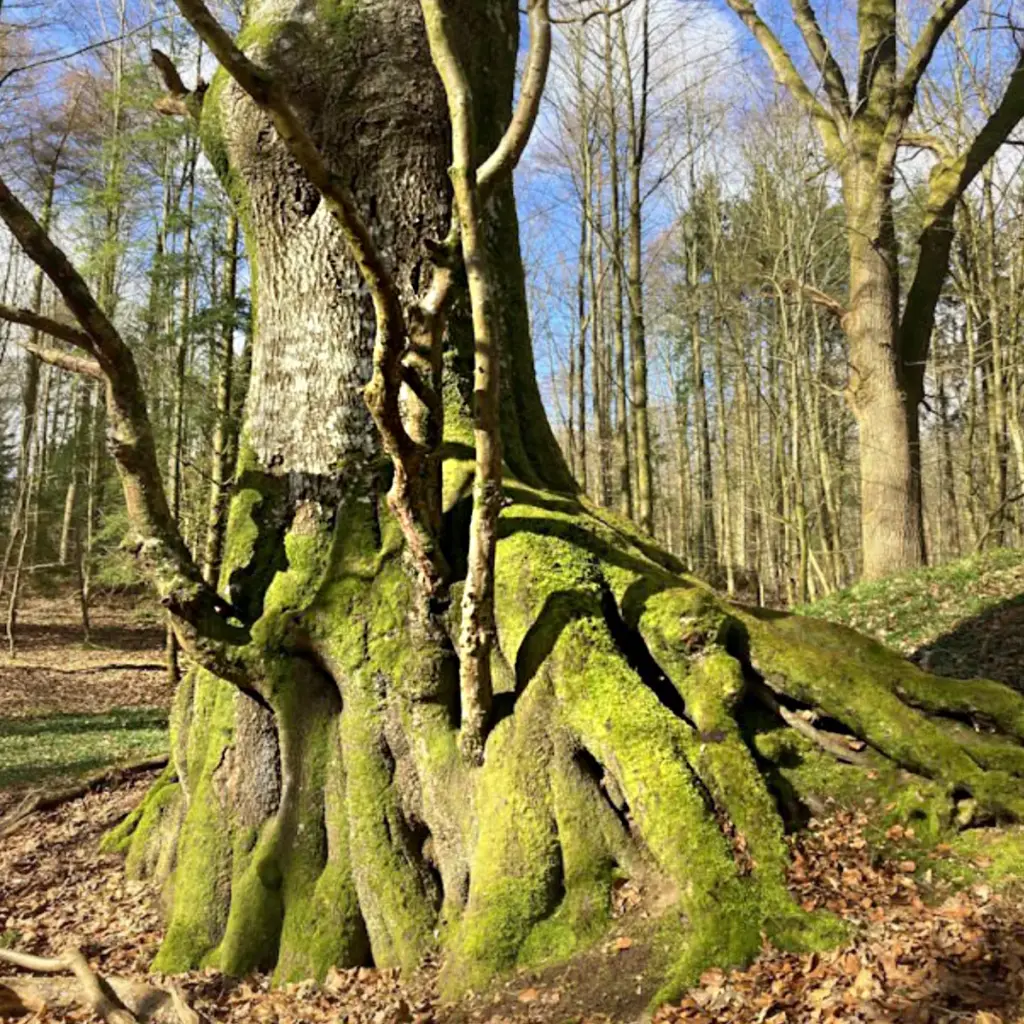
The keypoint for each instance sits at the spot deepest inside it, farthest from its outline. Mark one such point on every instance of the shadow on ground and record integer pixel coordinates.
(985, 978)
(986, 646)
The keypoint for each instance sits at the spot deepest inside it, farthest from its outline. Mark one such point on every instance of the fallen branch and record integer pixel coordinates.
(117, 1000)
(829, 742)
(91, 670)
(97, 995)
(49, 799)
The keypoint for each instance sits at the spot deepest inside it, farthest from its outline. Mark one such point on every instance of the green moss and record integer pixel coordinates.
(623, 724)
(398, 909)
(853, 679)
(890, 795)
(516, 871)
(981, 698)
(593, 843)
(120, 838)
(996, 856)
(202, 876)
(322, 925)
(258, 34)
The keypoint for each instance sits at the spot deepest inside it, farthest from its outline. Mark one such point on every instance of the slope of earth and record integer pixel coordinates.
(936, 942)
(964, 619)
(69, 707)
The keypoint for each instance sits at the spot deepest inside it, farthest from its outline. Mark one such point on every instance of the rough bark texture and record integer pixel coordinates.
(640, 723)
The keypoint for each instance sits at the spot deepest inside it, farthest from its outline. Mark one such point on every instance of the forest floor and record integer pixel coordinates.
(68, 707)
(938, 939)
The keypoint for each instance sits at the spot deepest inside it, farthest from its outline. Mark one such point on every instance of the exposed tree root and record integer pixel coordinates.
(644, 727)
(111, 1000)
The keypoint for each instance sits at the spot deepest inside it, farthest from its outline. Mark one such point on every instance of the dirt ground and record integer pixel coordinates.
(923, 950)
(53, 671)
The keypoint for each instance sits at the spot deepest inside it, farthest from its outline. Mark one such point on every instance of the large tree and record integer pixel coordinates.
(863, 131)
(319, 808)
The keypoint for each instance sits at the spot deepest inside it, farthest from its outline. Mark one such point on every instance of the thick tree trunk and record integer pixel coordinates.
(326, 816)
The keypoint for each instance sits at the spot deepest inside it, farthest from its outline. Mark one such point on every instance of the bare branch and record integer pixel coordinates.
(598, 12)
(923, 140)
(201, 615)
(950, 178)
(478, 628)
(71, 54)
(66, 361)
(787, 73)
(169, 73)
(109, 999)
(820, 50)
(917, 64)
(46, 325)
(510, 150)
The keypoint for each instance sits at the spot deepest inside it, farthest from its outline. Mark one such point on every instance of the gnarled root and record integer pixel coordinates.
(642, 727)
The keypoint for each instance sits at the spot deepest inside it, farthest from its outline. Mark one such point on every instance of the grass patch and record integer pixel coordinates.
(42, 748)
(911, 609)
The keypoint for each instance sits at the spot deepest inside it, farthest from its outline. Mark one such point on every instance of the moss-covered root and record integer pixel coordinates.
(263, 878)
(878, 696)
(547, 851)
(516, 872)
(675, 778)
(293, 901)
(147, 836)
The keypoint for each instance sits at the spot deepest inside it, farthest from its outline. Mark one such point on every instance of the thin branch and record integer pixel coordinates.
(949, 181)
(66, 361)
(268, 95)
(201, 615)
(470, 184)
(509, 151)
(71, 54)
(829, 742)
(46, 325)
(820, 50)
(169, 73)
(917, 64)
(924, 140)
(598, 12)
(787, 73)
